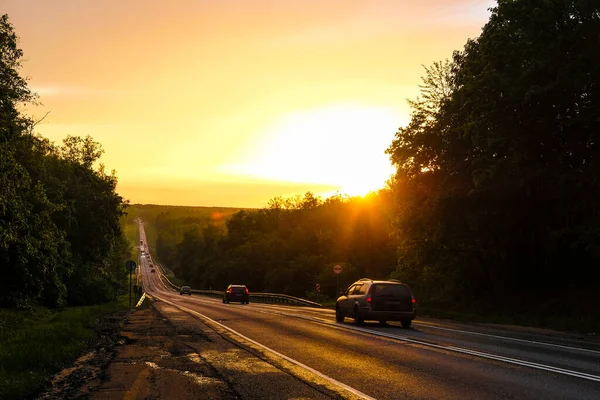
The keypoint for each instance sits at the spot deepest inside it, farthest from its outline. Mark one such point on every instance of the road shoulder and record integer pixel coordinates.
(165, 353)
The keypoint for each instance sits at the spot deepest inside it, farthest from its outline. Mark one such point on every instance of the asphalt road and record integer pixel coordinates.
(431, 360)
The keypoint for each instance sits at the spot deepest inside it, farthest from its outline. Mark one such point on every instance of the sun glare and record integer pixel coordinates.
(341, 146)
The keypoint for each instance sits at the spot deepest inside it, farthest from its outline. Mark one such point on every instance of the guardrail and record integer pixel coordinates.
(254, 297)
(164, 269)
(166, 280)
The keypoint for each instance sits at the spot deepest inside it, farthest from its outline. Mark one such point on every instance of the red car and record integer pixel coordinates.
(236, 293)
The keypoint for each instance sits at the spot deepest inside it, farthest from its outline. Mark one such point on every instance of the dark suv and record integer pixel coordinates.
(185, 290)
(236, 293)
(381, 301)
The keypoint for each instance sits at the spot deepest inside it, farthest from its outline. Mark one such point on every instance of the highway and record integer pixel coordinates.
(431, 360)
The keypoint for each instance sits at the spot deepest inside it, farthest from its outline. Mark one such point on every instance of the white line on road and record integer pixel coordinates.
(509, 360)
(510, 338)
(420, 323)
(295, 362)
(490, 356)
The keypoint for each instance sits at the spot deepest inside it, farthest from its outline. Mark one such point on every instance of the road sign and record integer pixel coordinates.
(130, 265)
(337, 269)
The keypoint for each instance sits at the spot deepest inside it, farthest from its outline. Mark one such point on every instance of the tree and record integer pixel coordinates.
(60, 235)
(498, 192)
(413, 149)
(13, 88)
(31, 246)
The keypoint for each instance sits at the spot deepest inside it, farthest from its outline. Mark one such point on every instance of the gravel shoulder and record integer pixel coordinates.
(161, 352)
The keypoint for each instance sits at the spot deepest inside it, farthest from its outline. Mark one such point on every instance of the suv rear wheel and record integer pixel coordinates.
(406, 323)
(339, 315)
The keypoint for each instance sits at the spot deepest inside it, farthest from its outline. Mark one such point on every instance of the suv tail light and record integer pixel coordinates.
(369, 299)
(247, 292)
(230, 290)
(412, 299)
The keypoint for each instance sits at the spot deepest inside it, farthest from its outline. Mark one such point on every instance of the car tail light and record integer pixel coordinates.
(230, 290)
(369, 299)
(412, 298)
(247, 292)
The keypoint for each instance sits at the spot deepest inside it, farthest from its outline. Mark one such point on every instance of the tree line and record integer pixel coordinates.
(497, 187)
(60, 234)
(496, 197)
(288, 247)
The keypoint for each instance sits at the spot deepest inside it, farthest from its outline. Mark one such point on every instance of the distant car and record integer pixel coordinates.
(238, 293)
(381, 301)
(185, 290)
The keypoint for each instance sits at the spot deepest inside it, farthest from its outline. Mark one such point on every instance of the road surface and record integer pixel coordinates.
(431, 360)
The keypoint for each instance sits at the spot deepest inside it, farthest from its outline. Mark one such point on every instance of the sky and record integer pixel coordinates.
(235, 102)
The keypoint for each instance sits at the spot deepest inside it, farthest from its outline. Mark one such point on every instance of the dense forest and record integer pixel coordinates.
(495, 202)
(288, 247)
(60, 234)
(172, 222)
(497, 186)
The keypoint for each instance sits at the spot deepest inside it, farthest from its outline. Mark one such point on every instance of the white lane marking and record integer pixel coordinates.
(510, 338)
(530, 364)
(495, 357)
(487, 355)
(467, 351)
(266, 309)
(269, 308)
(141, 300)
(406, 339)
(317, 311)
(581, 349)
(295, 362)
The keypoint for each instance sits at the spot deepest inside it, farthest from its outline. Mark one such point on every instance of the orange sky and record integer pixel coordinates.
(234, 102)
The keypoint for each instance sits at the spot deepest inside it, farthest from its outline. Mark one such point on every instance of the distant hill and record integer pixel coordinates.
(150, 212)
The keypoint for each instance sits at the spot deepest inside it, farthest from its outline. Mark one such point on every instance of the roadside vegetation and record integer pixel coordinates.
(62, 250)
(493, 213)
(37, 343)
(60, 235)
(171, 220)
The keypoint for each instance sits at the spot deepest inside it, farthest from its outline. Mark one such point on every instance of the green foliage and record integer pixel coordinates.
(60, 236)
(37, 343)
(285, 248)
(171, 221)
(497, 187)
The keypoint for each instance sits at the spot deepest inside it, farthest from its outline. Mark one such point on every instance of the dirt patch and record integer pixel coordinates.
(157, 362)
(140, 355)
(161, 352)
(86, 373)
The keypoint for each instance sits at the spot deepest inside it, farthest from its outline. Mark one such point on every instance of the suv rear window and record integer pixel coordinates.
(390, 290)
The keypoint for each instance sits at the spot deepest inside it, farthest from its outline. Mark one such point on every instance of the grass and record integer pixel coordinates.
(175, 280)
(131, 233)
(565, 323)
(37, 343)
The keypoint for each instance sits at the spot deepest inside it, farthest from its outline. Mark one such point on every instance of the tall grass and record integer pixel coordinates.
(35, 344)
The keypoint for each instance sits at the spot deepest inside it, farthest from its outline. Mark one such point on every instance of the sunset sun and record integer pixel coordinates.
(341, 146)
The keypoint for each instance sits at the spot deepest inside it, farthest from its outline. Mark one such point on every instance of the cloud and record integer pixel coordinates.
(58, 90)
